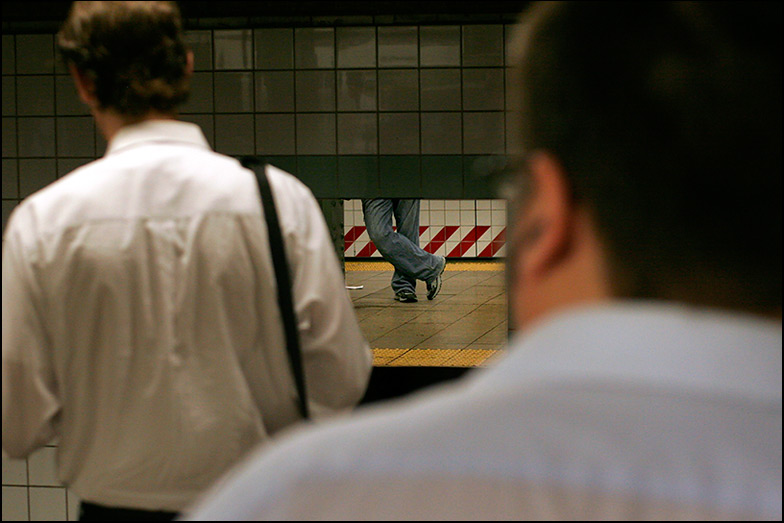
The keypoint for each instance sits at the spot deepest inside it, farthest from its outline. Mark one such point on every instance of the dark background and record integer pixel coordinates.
(47, 16)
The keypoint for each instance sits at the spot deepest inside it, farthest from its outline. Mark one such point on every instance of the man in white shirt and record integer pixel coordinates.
(644, 379)
(141, 328)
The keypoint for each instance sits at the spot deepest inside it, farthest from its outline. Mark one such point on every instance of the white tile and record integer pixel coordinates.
(314, 48)
(471, 252)
(274, 48)
(441, 133)
(398, 133)
(424, 218)
(483, 45)
(364, 237)
(73, 506)
(484, 236)
(452, 205)
(440, 89)
(439, 46)
(47, 504)
(14, 471)
(436, 205)
(357, 90)
(495, 230)
(484, 205)
(498, 218)
(481, 246)
(233, 49)
(498, 205)
(468, 217)
(452, 217)
(424, 205)
(483, 89)
(356, 46)
(398, 47)
(316, 134)
(483, 217)
(483, 132)
(15, 504)
(437, 218)
(359, 218)
(501, 252)
(467, 205)
(42, 467)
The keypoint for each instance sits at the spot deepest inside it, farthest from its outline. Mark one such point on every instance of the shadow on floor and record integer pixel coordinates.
(393, 382)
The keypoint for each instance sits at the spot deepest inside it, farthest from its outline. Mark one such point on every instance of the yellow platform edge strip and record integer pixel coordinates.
(433, 357)
(450, 266)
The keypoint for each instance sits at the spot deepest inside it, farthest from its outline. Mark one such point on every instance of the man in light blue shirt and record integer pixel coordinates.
(644, 377)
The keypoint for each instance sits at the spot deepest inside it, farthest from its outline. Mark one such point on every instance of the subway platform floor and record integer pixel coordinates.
(464, 326)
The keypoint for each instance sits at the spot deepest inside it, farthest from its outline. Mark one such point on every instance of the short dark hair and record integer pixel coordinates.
(134, 51)
(667, 119)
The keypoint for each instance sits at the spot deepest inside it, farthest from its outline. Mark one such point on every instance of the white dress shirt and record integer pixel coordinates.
(622, 411)
(140, 321)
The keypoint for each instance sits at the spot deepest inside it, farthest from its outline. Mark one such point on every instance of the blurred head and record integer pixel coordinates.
(131, 55)
(656, 129)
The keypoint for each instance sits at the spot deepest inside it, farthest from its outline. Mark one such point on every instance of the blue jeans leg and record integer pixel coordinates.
(400, 248)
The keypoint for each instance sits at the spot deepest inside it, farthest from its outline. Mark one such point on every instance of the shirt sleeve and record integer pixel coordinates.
(337, 359)
(30, 401)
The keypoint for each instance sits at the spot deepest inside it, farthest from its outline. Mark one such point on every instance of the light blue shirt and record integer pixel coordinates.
(621, 411)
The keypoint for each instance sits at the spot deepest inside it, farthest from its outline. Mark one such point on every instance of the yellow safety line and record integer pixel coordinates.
(433, 357)
(450, 266)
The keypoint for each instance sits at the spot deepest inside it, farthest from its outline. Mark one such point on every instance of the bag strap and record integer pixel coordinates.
(283, 280)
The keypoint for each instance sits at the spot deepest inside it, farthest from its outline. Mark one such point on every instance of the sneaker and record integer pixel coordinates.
(434, 285)
(405, 296)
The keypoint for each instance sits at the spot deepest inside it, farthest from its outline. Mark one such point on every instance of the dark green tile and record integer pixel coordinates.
(358, 176)
(399, 176)
(320, 173)
(442, 177)
(286, 163)
(476, 177)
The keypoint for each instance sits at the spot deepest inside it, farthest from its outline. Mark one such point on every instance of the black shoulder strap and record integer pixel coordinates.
(283, 280)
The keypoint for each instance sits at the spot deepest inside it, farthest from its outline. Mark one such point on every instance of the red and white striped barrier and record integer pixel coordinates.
(452, 241)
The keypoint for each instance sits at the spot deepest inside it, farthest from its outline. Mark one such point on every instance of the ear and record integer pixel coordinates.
(545, 225)
(85, 86)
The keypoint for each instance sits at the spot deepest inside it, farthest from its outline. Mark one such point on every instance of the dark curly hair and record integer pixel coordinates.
(133, 51)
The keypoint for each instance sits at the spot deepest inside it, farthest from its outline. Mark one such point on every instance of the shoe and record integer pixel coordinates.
(434, 285)
(405, 297)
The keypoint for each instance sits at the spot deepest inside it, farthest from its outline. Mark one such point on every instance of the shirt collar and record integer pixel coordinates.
(172, 131)
(647, 343)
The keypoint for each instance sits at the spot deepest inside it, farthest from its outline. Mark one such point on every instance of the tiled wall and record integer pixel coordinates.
(451, 228)
(373, 110)
(395, 111)
(32, 492)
